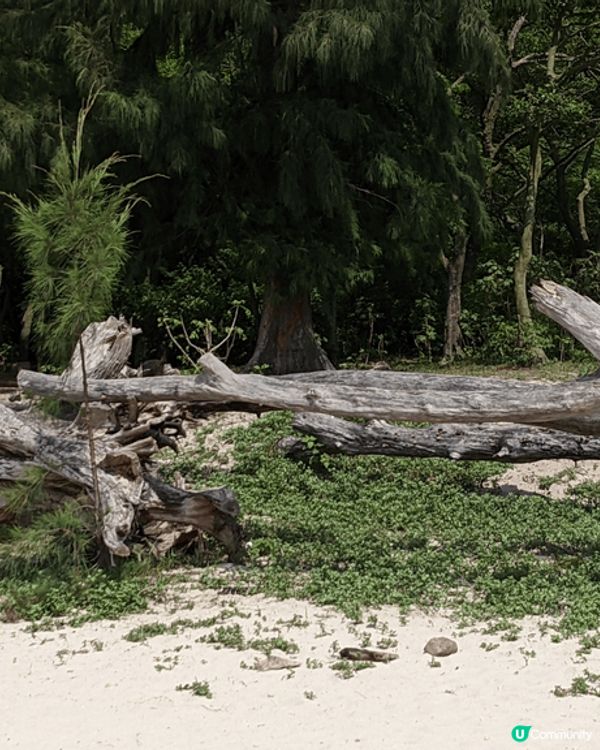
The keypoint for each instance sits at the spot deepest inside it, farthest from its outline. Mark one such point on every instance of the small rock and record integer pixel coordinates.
(440, 646)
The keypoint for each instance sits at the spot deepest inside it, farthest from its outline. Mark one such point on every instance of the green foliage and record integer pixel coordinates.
(200, 689)
(203, 299)
(374, 530)
(267, 645)
(27, 494)
(74, 241)
(586, 684)
(587, 494)
(143, 632)
(227, 636)
(152, 629)
(56, 540)
(347, 669)
(87, 594)
(425, 330)
(323, 143)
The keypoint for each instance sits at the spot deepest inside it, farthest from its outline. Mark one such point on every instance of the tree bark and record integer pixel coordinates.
(454, 268)
(507, 443)
(532, 404)
(286, 339)
(577, 314)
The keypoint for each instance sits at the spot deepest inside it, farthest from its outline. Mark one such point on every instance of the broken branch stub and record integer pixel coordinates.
(577, 314)
(107, 346)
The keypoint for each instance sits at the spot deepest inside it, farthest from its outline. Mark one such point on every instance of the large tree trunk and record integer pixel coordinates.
(454, 268)
(575, 404)
(286, 339)
(526, 248)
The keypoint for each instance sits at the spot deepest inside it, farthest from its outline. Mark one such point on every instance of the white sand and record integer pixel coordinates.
(533, 478)
(57, 692)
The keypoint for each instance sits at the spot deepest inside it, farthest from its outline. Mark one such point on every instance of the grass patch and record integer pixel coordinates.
(347, 669)
(586, 684)
(200, 689)
(373, 530)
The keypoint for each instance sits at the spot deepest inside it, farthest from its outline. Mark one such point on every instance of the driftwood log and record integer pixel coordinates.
(444, 402)
(578, 315)
(107, 348)
(572, 407)
(503, 442)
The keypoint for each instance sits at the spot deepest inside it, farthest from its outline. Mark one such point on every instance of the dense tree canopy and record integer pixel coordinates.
(372, 161)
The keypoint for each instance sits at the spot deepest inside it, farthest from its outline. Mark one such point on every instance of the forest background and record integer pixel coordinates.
(338, 181)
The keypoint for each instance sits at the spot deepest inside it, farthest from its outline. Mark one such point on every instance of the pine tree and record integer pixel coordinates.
(32, 84)
(74, 238)
(312, 136)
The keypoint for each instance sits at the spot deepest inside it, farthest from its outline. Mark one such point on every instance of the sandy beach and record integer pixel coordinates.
(89, 687)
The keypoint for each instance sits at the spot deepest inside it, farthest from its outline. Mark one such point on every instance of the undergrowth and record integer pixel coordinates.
(357, 531)
(353, 532)
(48, 562)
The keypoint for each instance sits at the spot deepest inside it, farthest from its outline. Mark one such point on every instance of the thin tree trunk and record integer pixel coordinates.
(564, 203)
(586, 189)
(286, 339)
(454, 268)
(526, 248)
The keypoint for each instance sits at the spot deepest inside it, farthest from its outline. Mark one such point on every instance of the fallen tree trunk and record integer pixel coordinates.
(503, 442)
(125, 490)
(410, 381)
(526, 404)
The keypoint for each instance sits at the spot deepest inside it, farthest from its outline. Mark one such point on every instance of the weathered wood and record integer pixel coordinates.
(578, 424)
(125, 490)
(69, 459)
(107, 346)
(525, 404)
(212, 510)
(410, 381)
(572, 311)
(502, 442)
(13, 469)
